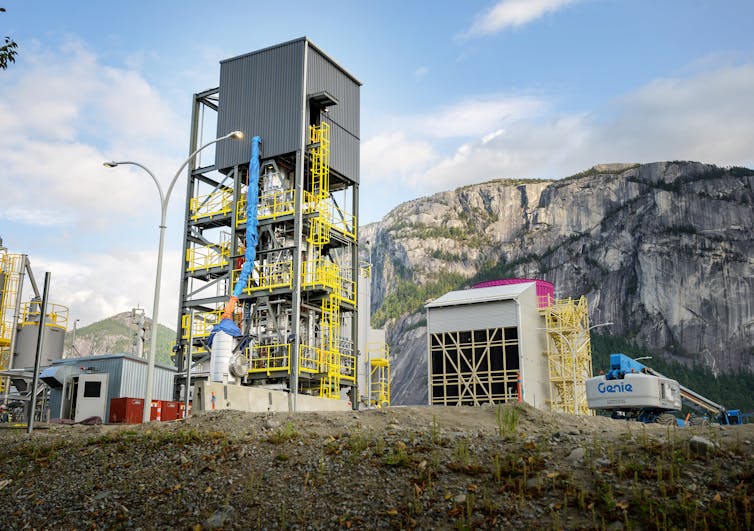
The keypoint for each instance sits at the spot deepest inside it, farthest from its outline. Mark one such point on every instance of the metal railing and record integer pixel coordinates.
(267, 359)
(202, 323)
(213, 205)
(203, 258)
(268, 276)
(57, 315)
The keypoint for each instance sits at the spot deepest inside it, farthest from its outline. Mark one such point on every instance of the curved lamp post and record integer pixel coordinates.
(164, 198)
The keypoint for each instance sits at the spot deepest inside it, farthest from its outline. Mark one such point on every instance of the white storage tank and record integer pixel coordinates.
(219, 365)
(55, 324)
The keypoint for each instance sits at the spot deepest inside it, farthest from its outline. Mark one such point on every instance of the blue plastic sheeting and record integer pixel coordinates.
(227, 326)
(252, 225)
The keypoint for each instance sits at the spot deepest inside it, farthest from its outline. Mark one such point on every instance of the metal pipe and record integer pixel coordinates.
(189, 359)
(40, 341)
(355, 314)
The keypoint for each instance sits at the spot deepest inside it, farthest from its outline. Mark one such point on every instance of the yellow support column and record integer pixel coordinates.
(569, 355)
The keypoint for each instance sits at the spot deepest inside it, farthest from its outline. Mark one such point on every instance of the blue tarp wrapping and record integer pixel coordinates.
(227, 326)
(252, 225)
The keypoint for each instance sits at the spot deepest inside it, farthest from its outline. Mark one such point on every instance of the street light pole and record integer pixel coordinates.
(164, 198)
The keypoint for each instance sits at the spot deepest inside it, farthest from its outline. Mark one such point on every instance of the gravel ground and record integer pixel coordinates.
(415, 468)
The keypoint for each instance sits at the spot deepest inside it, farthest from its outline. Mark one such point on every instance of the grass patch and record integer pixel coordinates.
(284, 434)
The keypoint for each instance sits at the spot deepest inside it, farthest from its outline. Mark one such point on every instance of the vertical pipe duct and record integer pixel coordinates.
(252, 229)
(226, 329)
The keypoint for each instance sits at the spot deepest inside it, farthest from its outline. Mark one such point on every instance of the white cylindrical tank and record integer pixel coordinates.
(26, 346)
(219, 364)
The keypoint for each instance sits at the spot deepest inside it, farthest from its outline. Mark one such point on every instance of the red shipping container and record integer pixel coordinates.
(170, 410)
(126, 410)
(156, 412)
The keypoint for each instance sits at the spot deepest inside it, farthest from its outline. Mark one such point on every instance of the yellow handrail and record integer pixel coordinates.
(215, 204)
(269, 358)
(202, 325)
(268, 276)
(200, 258)
(57, 315)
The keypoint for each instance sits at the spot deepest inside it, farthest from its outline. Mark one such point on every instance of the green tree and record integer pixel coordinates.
(8, 50)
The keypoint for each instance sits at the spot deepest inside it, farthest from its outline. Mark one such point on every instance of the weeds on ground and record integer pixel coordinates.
(507, 420)
(284, 434)
(397, 456)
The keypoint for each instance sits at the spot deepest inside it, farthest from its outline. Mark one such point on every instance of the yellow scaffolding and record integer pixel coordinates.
(330, 327)
(202, 323)
(569, 354)
(267, 277)
(213, 205)
(274, 205)
(11, 266)
(266, 359)
(378, 355)
(204, 257)
(311, 359)
(320, 226)
(329, 357)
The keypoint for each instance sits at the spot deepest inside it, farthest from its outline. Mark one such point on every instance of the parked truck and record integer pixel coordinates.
(633, 391)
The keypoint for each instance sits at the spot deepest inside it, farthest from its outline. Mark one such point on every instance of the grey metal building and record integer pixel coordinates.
(487, 345)
(83, 387)
(298, 311)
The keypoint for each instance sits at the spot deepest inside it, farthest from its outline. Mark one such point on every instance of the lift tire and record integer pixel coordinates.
(666, 419)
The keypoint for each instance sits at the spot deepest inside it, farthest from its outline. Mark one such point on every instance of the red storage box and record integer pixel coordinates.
(126, 410)
(170, 410)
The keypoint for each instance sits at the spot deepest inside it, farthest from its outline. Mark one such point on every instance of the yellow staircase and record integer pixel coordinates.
(569, 354)
(379, 374)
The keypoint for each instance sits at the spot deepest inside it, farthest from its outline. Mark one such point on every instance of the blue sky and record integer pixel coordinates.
(454, 93)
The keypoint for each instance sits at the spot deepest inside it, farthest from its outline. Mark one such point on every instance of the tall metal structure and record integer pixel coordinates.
(569, 354)
(298, 311)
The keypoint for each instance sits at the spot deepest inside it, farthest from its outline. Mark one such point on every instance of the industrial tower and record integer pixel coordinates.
(298, 311)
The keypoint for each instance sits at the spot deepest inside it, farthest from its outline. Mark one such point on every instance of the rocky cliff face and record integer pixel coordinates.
(665, 251)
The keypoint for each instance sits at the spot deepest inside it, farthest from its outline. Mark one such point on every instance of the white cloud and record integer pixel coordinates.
(708, 117)
(95, 286)
(477, 116)
(63, 113)
(395, 157)
(38, 217)
(421, 72)
(513, 13)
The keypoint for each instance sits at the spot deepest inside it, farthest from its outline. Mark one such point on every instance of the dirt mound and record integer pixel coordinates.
(413, 467)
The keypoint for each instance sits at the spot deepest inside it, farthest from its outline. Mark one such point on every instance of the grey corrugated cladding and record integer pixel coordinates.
(324, 75)
(127, 376)
(262, 93)
(480, 316)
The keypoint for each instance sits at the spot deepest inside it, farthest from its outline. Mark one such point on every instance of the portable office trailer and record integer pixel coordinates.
(83, 387)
